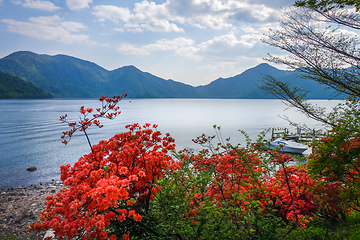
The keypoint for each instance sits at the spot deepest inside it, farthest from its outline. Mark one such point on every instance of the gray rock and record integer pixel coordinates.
(31, 169)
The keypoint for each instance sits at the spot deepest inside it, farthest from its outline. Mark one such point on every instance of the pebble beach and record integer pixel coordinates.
(21, 206)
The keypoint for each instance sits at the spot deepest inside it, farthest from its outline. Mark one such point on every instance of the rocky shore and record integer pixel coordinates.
(21, 206)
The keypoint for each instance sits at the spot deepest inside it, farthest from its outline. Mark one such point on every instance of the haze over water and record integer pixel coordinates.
(30, 130)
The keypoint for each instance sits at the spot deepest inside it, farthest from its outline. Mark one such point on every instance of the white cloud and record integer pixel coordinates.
(113, 13)
(78, 4)
(232, 67)
(145, 17)
(162, 45)
(218, 66)
(154, 26)
(130, 49)
(217, 14)
(72, 26)
(153, 17)
(347, 33)
(274, 4)
(252, 13)
(227, 47)
(231, 48)
(190, 52)
(224, 48)
(118, 30)
(1, 1)
(48, 28)
(37, 4)
(170, 15)
(168, 45)
(251, 38)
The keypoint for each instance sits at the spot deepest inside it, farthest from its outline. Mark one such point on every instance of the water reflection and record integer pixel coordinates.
(30, 129)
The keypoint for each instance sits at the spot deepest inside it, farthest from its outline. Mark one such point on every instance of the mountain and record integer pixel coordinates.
(136, 83)
(69, 77)
(60, 75)
(14, 87)
(246, 84)
(243, 85)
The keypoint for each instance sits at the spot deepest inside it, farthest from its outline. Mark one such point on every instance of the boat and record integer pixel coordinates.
(286, 146)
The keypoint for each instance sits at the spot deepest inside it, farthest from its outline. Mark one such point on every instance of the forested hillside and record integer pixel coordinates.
(14, 87)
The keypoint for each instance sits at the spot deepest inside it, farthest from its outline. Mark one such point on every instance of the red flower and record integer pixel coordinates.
(141, 174)
(137, 217)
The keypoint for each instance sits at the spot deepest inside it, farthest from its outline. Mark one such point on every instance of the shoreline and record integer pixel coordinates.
(21, 206)
(34, 185)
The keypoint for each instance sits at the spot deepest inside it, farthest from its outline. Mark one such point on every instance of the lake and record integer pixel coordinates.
(30, 130)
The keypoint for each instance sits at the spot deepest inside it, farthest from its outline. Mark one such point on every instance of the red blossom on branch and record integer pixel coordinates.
(121, 170)
(108, 110)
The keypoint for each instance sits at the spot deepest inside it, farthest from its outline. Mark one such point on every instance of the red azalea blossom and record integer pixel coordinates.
(109, 174)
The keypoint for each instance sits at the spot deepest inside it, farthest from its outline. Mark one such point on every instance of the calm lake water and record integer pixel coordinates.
(30, 129)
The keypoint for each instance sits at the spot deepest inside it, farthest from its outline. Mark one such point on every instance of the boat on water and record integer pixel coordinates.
(286, 146)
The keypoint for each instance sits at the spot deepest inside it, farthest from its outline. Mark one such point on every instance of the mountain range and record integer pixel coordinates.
(69, 77)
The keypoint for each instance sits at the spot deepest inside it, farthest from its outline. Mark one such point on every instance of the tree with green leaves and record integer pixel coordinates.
(328, 4)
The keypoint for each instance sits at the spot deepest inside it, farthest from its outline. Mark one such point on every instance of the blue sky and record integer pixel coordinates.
(191, 41)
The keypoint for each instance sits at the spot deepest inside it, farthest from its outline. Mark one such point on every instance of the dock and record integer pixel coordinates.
(299, 136)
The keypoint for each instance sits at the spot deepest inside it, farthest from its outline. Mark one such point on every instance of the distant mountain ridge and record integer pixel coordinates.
(69, 77)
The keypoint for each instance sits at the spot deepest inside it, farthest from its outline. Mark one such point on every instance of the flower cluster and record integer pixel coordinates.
(121, 171)
(244, 185)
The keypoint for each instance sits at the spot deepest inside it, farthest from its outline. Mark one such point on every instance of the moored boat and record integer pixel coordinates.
(286, 146)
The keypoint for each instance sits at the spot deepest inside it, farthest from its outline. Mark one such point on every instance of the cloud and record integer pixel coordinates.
(113, 13)
(162, 45)
(145, 17)
(153, 17)
(78, 4)
(273, 4)
(189, 52)
(224, 48)
(154, 26)
(48, 28)
(218, 66)
(168, 45)
(229, 47)
(118, 30)
(38, 4)
(346, 33)
(218, 14)
(130, 49)
(259, 15)
(171, 14)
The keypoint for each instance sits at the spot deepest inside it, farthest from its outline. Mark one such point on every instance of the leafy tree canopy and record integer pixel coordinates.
(328, 4)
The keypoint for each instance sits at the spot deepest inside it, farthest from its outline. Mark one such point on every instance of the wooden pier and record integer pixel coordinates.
(299, 136)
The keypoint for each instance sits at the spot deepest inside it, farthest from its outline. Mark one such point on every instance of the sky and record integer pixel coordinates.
(190, 41)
